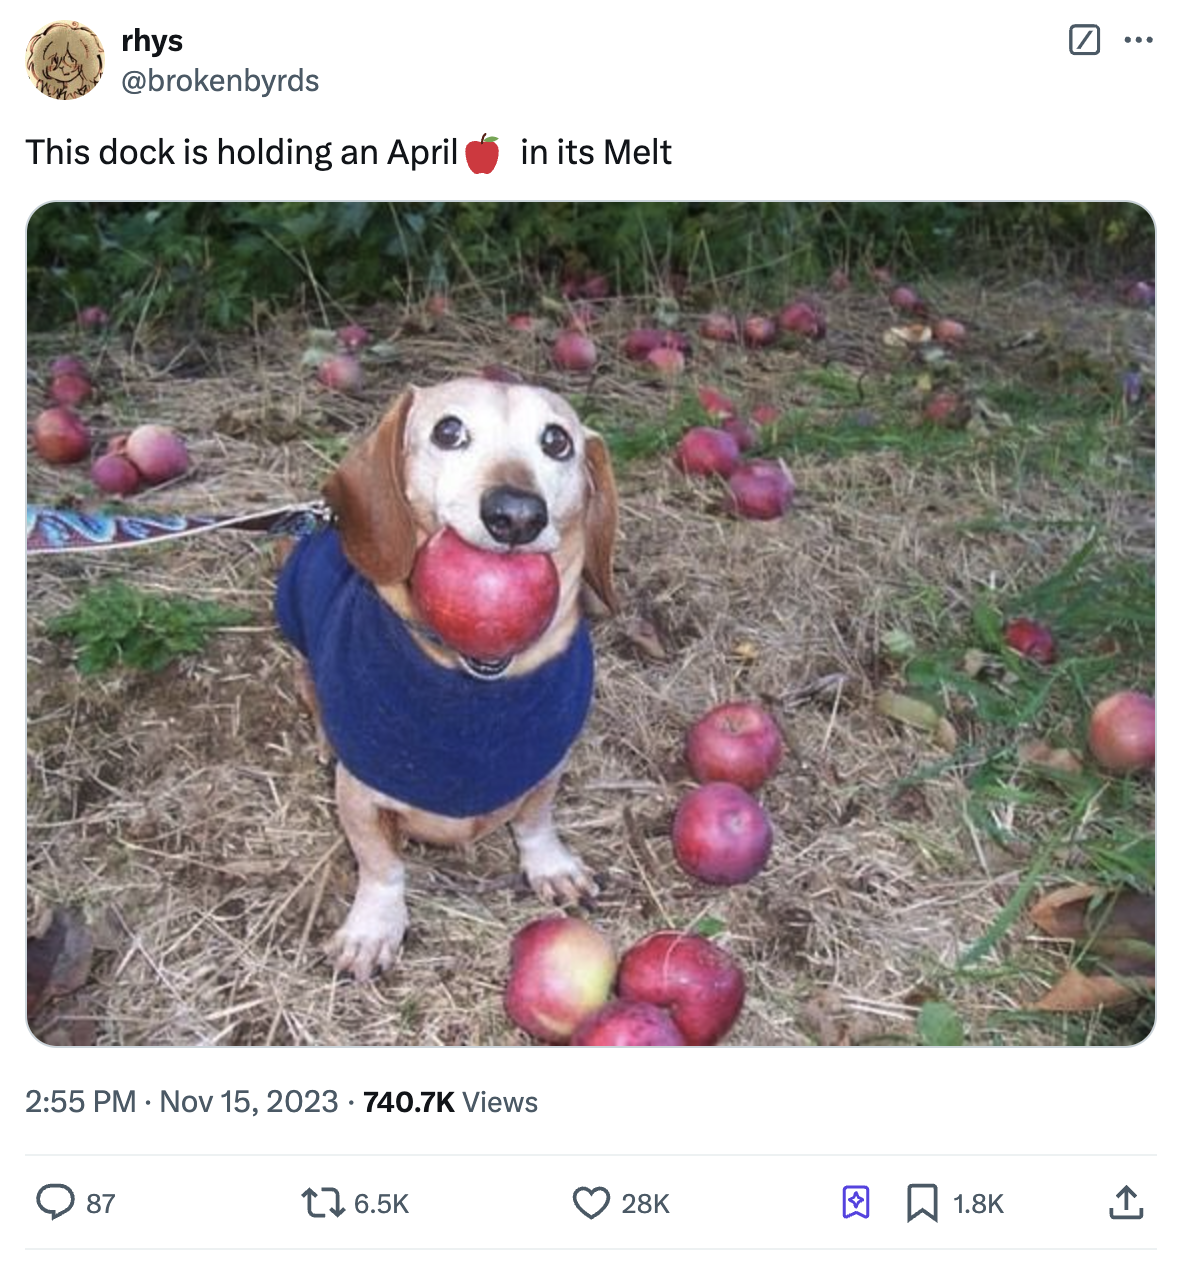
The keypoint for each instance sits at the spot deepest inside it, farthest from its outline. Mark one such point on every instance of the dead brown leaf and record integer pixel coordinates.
(1041, 754)
(1077, 992)
(58, 962)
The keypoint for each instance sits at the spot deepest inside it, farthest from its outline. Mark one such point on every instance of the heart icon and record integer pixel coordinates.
(587, 1205)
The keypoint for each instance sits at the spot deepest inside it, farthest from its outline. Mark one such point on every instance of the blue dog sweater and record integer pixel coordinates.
(434, 738)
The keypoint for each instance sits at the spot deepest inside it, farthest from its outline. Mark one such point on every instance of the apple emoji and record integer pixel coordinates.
(628, 1023)
(738, 743)
(561, 972)
(700, 985)
(485, 604)
(707, 451)
(761, 489)
(1122, 732)
(721, 834)
(481, 156)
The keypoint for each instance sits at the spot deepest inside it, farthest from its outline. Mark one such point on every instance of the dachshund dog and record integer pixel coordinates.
(444, 747)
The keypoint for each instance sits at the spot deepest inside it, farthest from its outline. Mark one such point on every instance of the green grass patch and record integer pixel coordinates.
(115, 624)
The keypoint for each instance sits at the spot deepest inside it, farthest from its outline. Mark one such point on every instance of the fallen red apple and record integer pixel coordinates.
(1140, 294)
(70, 389)
(573, 351)
(561, 972)
(1122, 732)
(760, 332)
(762, 415)
(93, 318)
(481, 156)
(113, 473)
(720, 328)
(707, 451)
(1031, 639)
(716, 403)
(628, 1023)
(341, 373)
(353, 338)
(760, 490)
(157, 453)
(839, 280)
(742, 432)
(698, 982)
(60, 436)
(946, 406)
(721, 834)
(950, 332)
(737, 742)
(68, 365)
(594, 286)
(483, 603)
(638, 344)
(438, 305)
(668, 362)
(880, 275)
(803, 319)
(907, 300)
(522, 322)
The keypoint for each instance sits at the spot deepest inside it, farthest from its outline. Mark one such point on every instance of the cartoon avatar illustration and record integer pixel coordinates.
(65, 60)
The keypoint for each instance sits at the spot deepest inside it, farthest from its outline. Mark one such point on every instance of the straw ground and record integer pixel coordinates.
(185, 814)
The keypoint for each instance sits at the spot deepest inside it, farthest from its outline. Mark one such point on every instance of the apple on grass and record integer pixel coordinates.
(707, 451)
(736, 743)
(561, 972)
(721, 834)
(627, 1023)
(1122, 732)
(697, 982)
(485, 604)
(481, 156)
(761, 489)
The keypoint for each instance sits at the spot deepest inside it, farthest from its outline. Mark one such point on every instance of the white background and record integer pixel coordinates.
(861, 101)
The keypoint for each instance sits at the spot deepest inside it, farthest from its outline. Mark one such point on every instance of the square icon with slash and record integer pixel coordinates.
(1085, 39)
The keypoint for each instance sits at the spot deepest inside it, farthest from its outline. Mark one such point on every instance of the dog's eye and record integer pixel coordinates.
(450, 433)
(557, 443)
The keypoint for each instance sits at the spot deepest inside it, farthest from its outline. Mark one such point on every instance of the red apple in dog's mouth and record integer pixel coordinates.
(485, 604)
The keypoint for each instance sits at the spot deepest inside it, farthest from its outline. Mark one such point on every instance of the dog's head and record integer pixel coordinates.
(506, 467)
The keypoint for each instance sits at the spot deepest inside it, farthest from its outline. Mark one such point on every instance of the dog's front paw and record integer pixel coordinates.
(373, 931)
(557, 876)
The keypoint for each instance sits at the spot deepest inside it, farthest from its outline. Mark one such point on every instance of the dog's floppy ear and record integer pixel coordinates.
(370, 503)
(600, 521)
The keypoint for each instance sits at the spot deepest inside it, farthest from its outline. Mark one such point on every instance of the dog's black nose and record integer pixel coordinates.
(513, 516)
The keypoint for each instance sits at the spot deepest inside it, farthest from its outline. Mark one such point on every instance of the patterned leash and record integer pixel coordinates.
(52, 531)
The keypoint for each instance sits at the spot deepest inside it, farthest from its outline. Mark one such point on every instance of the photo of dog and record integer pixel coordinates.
(507, 468)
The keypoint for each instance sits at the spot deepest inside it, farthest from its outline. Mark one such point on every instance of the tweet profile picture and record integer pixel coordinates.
(64, 60)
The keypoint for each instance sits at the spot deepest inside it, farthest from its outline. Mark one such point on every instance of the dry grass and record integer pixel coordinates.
(185, 811)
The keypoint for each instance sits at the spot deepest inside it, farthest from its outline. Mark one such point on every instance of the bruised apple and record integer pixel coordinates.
(627, 1023)
(721, 834)
(561, 972)
(738, 743)
(483, 603)
(700, 985)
